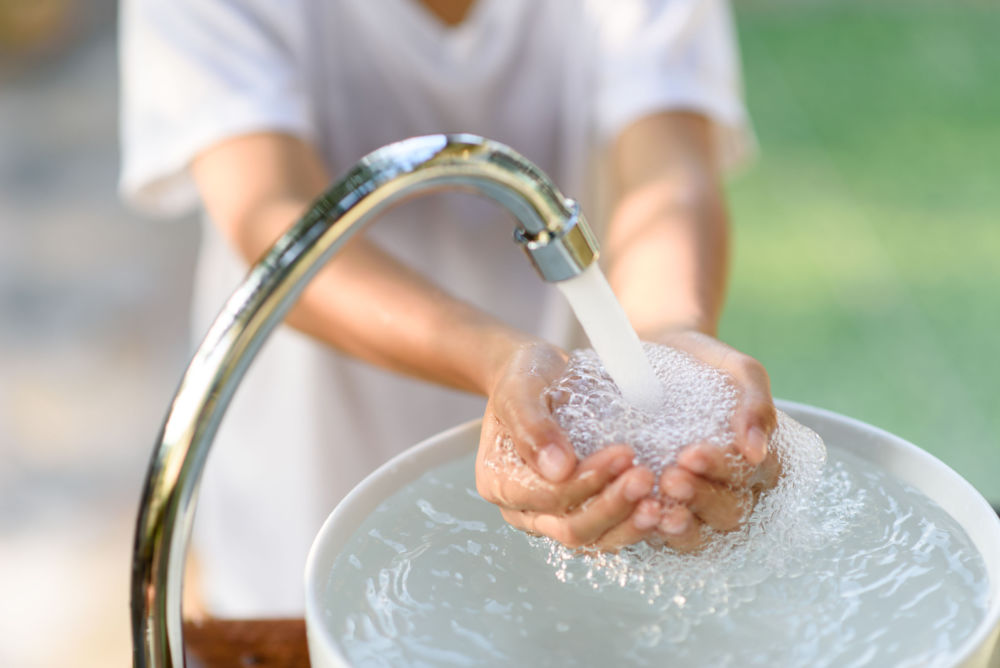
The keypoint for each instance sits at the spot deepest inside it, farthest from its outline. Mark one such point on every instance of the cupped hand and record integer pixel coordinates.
(717, 487)
(527, 467)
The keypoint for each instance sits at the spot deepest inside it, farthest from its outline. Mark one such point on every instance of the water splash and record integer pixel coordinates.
(696, 402)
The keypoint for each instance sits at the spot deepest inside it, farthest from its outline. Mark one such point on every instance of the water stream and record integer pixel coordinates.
(613, 338)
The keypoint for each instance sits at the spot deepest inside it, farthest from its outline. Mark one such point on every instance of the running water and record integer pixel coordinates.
(613, 338)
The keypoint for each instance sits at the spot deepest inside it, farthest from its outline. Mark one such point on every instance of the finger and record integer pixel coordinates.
(766, 475)
(722, 465)
(721, 507)
(602, 512)
(755, 417)
(538, 438)
(680, 529)
(523, 489)
(523, 520)
(728, 467)
(637, 527)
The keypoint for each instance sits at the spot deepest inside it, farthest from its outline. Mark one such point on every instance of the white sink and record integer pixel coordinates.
(904, 460)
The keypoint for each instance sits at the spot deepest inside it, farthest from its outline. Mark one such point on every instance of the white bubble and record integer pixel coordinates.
(698, 404)
(800, 515)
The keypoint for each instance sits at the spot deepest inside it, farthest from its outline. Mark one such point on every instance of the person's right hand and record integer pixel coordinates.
(527, 467)
(712, 486)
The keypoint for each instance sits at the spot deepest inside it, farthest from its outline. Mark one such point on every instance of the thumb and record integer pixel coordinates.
(538, 439)
(756, 420)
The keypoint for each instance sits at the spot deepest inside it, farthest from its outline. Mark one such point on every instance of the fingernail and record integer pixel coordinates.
(636, 488)
(645, 520)
(697, 464)
(552, 462)
(674, 525)
(619, 465)
(756, 444)
(681, 490)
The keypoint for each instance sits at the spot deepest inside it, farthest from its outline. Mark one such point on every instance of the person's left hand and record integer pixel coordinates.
(717, 487)
(527, 467)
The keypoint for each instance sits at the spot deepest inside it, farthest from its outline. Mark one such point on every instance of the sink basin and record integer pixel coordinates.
(881, 449)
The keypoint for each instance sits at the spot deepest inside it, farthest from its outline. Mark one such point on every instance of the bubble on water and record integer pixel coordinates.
(802, 513)
(893, 580)
(698, 401)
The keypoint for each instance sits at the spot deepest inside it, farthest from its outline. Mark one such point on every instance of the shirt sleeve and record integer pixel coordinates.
(195, 72)
(658, 55)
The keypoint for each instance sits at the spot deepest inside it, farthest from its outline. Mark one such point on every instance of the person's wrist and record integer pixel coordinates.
(502, 347)
(669, 329)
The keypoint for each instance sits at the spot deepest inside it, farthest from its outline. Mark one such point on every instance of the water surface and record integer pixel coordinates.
(435, 577)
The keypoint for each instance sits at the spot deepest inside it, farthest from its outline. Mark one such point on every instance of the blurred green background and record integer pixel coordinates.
(867, 253)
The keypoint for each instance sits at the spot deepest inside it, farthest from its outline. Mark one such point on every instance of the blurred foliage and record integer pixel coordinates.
(867, 255)
(26, 25)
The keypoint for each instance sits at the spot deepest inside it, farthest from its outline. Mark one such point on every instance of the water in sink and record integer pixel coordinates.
(435, 577)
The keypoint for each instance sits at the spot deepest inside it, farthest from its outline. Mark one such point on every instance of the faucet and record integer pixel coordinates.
(551, 230)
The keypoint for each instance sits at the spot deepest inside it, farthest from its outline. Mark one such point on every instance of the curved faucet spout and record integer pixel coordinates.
(551, 230)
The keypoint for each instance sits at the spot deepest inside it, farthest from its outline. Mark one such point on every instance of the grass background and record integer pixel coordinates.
(867, 232)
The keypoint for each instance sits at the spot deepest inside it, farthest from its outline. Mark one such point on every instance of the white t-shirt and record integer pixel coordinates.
(554, 79)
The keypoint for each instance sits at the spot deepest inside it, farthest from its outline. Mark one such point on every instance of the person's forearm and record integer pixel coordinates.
(667, 243)
(367, 304)
(364, 302)
(668, 259)
(371, 306)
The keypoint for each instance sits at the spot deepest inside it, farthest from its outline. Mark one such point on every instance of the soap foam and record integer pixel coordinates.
(803, 513)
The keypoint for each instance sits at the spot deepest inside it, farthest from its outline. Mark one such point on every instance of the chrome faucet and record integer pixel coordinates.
(552, 231)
